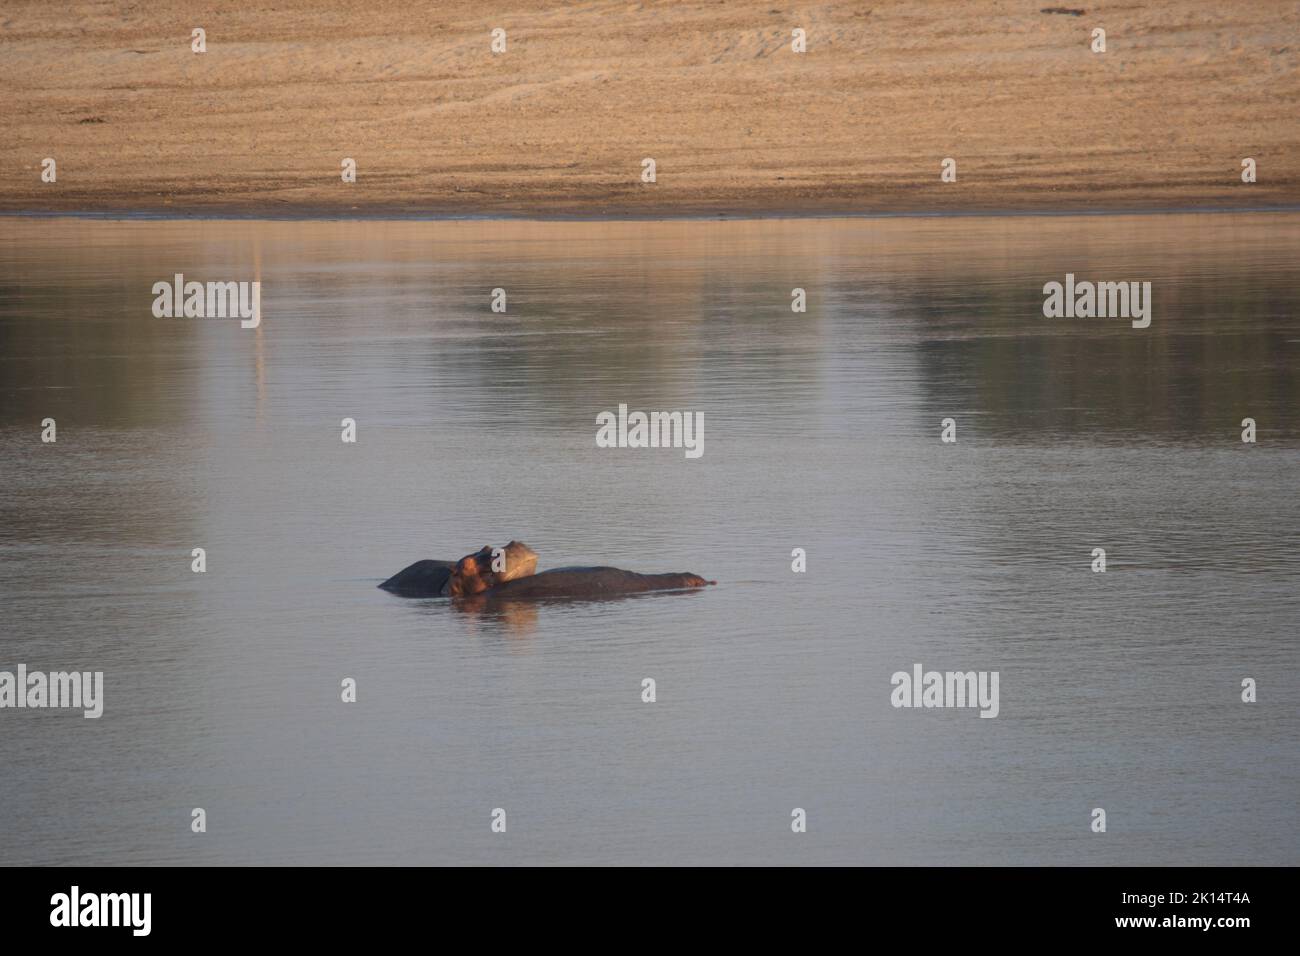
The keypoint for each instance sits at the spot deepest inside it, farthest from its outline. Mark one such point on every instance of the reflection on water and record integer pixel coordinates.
(222, 689)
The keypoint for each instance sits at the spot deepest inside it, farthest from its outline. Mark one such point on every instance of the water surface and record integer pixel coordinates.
(1118, 690)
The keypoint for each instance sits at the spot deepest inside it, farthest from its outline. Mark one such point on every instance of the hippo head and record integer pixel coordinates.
(488, 567)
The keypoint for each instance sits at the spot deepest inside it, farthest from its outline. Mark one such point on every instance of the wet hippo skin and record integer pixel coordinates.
(587, 583)
(430, 578)
(427, 578)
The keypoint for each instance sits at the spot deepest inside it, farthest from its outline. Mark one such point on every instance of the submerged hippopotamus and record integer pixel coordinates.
(430, 578)
(474, 577)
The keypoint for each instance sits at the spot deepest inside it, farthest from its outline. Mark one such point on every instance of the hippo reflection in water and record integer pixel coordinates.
(508, 574)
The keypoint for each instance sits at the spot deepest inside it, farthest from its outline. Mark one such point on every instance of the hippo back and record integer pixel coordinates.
(583, 582)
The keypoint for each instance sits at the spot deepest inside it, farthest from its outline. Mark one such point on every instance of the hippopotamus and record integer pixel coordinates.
(430, 578)
(474, 577)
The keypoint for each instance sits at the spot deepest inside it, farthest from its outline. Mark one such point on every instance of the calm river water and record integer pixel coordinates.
(1119, 690)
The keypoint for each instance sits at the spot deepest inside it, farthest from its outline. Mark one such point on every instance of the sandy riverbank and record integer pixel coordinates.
(735, 120)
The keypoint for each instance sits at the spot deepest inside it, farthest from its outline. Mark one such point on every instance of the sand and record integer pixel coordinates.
(559, 124)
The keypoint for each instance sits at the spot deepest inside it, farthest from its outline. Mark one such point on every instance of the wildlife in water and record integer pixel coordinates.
(431, 578)
(510, 574)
